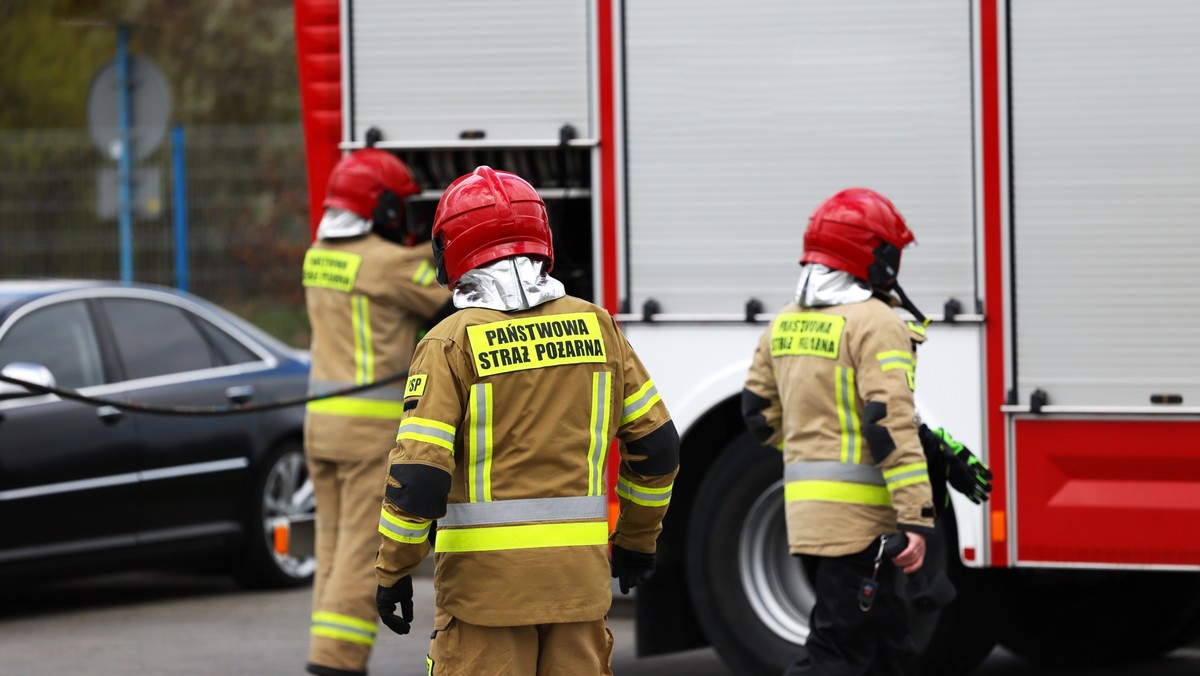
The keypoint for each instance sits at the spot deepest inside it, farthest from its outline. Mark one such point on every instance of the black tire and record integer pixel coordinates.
(1087, 618)
(281, 489)
(753, 599)
(756, 623)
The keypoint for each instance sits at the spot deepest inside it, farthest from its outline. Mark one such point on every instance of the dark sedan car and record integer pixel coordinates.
(94, 486)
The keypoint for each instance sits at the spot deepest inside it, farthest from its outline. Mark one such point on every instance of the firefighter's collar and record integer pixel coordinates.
(508, 284)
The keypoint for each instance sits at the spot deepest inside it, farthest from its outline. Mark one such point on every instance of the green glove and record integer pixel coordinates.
(966, 473)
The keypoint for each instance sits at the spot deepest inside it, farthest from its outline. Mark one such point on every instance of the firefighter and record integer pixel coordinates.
(368, 296)
(831, 384)
(510, 408)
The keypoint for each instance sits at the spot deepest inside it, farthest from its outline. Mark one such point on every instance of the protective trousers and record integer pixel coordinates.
(348, 495)
(846, 641)
(462, 649)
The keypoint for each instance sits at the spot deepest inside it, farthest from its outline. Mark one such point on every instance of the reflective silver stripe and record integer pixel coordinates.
(599, 445)
(915, 473)
(480, 448)
(382, 393)
(642, 495)
(832, 470)
(407, 427)
(125, 479)
(849, 415)
(633, 407)
(402, 532)
(525, 511)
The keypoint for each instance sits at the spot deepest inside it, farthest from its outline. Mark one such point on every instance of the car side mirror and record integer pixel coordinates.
(34, 374)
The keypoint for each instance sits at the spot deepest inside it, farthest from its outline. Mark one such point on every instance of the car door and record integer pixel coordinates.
(68, 470)
(194, 469)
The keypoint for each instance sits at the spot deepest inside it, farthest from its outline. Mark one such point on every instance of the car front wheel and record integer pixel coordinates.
(278, 551)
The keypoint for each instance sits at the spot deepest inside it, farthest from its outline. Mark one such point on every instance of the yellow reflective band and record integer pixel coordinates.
(834, 491)
(342, 635)
(479, 460)
(892, 360)
(536, 342)
(355, 407)
(364, 355)
(644, 495)
(415, 386)
(918, 329)
(429, 431)
(905, 475)
(637, 404)
(429, 663)
(343, 628)
(407, 532)
(815, 334)
(847, 410)
(598, 431)
(530, 536)
(424, 274)
(331, 269)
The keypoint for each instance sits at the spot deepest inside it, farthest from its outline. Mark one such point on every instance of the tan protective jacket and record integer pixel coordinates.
(509, 417)
(834, 387)
(367, 299)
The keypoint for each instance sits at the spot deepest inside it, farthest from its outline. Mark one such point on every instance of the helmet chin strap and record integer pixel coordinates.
(907, 304)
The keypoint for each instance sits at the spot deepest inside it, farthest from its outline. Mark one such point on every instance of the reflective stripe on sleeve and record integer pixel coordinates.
(637, 404)
(429, 431)
(643, 495)
(425, 274)
(407, 532)
(906, 475)
(897, 360)
(598, 439)
(343, 628)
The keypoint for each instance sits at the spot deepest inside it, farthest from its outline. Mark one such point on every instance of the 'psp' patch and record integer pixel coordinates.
(415, 386)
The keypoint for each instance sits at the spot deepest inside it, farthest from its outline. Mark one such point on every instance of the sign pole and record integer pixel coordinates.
(124, 160)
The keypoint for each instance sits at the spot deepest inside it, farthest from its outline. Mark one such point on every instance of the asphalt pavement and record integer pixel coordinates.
(171, 624)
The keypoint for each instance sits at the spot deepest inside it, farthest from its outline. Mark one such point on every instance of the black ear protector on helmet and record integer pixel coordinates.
(439, 259)
(389, 210)
(882, 276)
(882, 273)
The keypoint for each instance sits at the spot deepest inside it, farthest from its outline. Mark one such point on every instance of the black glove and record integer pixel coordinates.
(966, 473)
(386, 599)
(631, 568)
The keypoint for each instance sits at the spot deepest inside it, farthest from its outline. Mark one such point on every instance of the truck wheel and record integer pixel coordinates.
(1094, 618)
(275, 555)
(753, 598)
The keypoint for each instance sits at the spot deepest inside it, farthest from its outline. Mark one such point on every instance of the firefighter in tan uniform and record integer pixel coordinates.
(511, 407)
(831, 384)
(367, 299)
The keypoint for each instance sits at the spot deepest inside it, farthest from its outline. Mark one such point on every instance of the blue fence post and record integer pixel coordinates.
(179, 198)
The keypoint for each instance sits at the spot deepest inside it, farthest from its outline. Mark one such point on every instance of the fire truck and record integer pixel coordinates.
(1045, 152)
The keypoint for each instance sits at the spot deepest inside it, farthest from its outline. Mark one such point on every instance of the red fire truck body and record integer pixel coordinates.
(1047, 156)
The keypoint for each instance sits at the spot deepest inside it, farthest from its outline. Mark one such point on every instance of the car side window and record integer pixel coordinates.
(61, 338)
(155, 339)
(232, 351)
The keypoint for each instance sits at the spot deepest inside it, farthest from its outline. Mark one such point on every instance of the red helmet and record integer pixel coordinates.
(487, 215)
(371, 183)
(858, 231)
